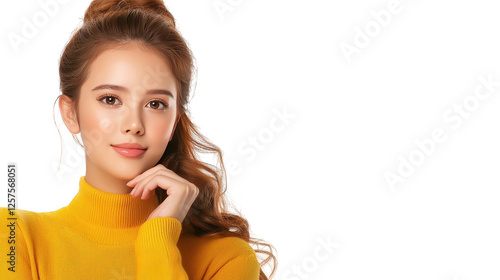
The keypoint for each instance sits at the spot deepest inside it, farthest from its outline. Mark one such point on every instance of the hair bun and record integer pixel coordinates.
(99, 7)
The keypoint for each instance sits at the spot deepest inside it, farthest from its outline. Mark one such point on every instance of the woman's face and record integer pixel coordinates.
(126, 99)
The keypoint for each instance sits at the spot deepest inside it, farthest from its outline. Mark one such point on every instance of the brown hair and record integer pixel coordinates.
(112, 23)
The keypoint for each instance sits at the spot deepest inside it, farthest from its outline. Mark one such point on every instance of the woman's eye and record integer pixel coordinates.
(155, 104)
(108, 100)
(112, 100)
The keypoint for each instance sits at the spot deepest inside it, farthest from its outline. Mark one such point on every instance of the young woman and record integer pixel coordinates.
(146, 208)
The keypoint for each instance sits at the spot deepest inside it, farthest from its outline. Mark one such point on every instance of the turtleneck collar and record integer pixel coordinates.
(110, 210)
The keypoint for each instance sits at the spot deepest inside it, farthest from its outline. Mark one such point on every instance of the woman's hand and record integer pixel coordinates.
(180, 192)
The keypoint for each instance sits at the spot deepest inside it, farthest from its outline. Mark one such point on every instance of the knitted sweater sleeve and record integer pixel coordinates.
(157, 254)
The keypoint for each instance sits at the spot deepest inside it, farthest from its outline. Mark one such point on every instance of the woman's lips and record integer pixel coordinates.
(130, 153)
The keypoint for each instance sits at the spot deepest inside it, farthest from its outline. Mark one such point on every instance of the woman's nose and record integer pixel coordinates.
(132, 123)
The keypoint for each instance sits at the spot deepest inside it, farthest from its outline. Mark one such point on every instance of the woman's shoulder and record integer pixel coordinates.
(27, 219)
(229, 247)
(15, 220)
(211, 256)
(6, 212)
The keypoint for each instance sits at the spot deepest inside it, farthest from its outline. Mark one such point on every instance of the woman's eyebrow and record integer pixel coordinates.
(124, 89)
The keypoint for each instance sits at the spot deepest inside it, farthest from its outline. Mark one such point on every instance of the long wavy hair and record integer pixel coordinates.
(111, 23)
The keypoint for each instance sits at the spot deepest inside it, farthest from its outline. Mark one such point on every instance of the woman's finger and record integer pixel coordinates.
(163, 181)
(144, 174)
(138, 189)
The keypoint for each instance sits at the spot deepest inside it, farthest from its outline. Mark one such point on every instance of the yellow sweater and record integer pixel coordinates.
(102, 235)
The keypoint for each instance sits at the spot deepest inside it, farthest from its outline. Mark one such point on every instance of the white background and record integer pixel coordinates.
(317, 178)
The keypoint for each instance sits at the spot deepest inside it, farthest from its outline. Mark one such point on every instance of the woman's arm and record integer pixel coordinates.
(156, 250)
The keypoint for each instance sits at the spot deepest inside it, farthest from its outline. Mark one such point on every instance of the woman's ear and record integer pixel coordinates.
(68, 114)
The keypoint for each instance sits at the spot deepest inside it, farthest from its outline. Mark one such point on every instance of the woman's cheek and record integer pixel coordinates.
(160, 132)
(106, 125)
(95, 129)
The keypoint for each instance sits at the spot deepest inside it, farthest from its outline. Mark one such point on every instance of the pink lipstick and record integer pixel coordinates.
(130, 150)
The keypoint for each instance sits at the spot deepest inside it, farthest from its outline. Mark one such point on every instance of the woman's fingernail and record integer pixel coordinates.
(132, 192)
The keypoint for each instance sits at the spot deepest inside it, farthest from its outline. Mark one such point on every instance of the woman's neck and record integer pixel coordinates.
(104, 181)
